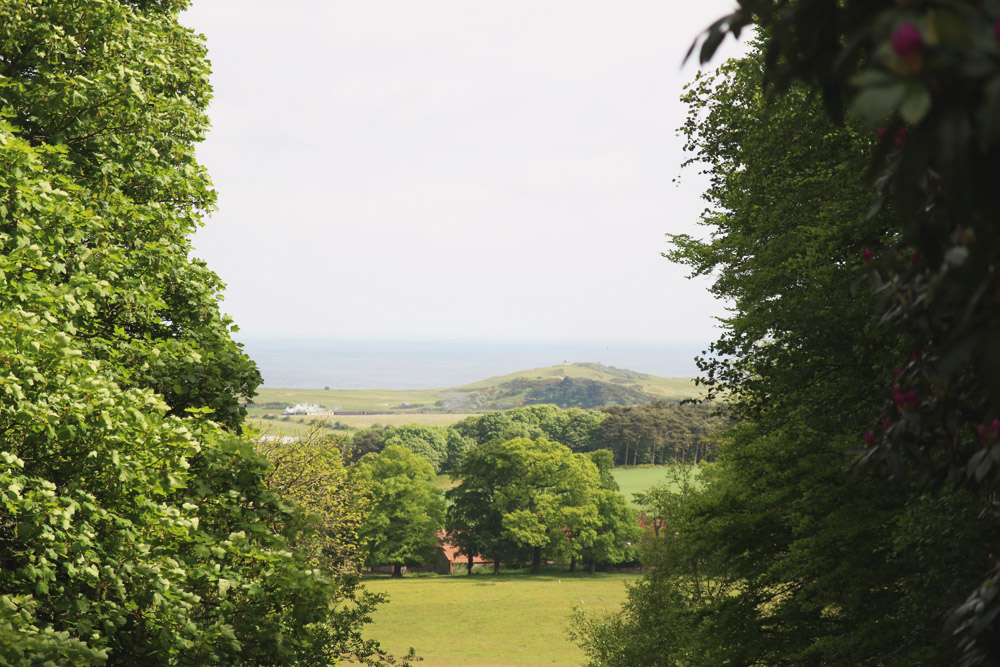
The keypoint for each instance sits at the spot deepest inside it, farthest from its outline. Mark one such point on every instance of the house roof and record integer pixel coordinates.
(453, 554)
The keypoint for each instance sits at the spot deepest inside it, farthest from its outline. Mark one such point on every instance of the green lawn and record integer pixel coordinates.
(637, 479)
(514, 620)
(298, 425)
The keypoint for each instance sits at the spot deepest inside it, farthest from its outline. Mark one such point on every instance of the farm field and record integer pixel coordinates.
(298, 425)
(635, 479)
(411, 400)
(630, 480)
(511, 620)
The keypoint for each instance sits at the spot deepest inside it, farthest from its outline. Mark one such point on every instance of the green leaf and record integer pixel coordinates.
(916, 103)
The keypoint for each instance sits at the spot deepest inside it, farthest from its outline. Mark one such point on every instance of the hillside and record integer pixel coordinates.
(583, 385)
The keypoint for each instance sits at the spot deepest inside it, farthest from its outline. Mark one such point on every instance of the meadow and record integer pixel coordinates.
(510, 620)
(636, 479)
(631, 479)
(299, 425)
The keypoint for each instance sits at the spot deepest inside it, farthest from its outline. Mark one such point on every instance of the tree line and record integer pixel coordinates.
(658, 433)
(516, 501)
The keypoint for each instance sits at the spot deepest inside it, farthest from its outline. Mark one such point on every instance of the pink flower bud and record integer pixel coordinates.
(868, 256)
(886, 424)
(869, 437)
(905, 401)
(988, 434)
(906, 41)
(902, 134)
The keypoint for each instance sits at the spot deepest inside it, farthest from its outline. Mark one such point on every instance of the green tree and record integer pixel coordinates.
(311, 470)
(616, 536)
(135, 526)
(430, 442)
(798, 562)
(118, 93)
(407, 509)
(928, 75)
(528, 494)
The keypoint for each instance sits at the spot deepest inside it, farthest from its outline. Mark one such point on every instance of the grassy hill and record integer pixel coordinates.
(588, 385)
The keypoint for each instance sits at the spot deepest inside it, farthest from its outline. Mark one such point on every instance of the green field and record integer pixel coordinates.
(298, 425)
(637, 479)
(630, 480)
(514, 620)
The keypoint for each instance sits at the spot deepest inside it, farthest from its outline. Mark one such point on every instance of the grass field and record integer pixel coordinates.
(630, 480)
(513, 620)
(637, 479)
(299, 425)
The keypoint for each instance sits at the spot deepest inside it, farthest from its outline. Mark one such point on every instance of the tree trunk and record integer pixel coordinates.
(536, 560)
(496, 566)
(397, 571)
(625, 462)
(591, 567)
(572, 564)
(471, 559)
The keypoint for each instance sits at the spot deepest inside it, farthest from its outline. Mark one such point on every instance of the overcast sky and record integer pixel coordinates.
(452, 170)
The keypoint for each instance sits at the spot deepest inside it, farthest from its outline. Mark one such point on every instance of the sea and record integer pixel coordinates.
(402, 364)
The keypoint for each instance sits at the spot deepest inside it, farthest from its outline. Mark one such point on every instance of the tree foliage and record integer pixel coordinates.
(928, 74)
(407, 509)
(523, 496)
(136, 527)
(798, 560)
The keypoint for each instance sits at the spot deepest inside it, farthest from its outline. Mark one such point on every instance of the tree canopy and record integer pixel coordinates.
(537, 497)
(136, 526)
(407, 510)
(781, 555)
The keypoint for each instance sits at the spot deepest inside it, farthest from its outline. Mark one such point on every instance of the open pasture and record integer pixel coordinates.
(635, 479)
(511, 620)
(299, 425)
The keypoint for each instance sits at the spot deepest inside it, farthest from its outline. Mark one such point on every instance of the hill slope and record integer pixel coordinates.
(585, 385)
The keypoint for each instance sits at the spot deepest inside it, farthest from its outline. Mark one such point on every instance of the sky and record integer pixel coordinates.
(449, 170)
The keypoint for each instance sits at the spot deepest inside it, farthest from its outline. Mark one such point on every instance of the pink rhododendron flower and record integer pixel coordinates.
(905, 401)
(988, 434)
(906, 41)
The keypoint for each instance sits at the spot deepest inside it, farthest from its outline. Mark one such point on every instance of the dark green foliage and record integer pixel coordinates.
(583, 393)
(566, 392)
(658, 433)
(781, 555)
(929, 75)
